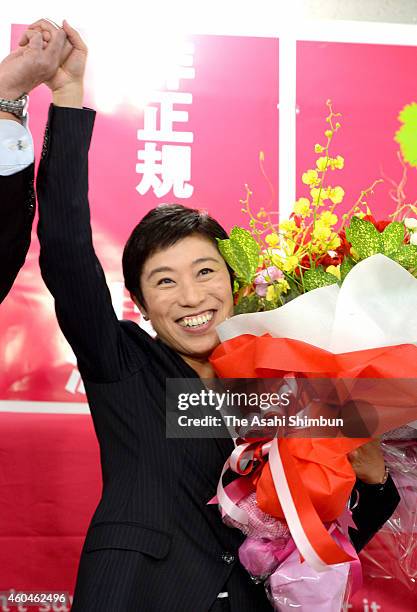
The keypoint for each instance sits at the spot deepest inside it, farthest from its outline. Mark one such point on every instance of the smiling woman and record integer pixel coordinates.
(178, 279)
(153, 544)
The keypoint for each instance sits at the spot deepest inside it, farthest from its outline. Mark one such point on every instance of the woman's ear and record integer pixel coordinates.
(140, 307)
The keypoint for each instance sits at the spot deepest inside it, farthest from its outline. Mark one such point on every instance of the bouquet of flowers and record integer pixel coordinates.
(318, 295)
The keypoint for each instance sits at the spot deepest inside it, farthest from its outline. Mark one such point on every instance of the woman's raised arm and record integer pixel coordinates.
(68, 262)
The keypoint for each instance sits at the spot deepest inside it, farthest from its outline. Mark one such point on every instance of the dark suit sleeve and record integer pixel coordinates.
(375, 506)
(68, 262)
(17, 209)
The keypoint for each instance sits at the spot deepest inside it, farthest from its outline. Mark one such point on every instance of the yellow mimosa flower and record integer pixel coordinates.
(321, 164)
(334, 243)
(283, 285)
(310, 177)
(321, 231)
(270, 293)
(302, 207)
(272, 239)
(316, 193)
(338, 162)
(328, 218)
(288, 225)
(277, 260)
(290, 263)
(336, 194)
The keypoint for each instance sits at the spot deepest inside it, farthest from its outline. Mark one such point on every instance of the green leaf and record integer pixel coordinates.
(345, 267)
(406, 256)
(271, 305)
(317, 277)
(289, 296)
(250, 303)
(408, 114)
(406, 136)
(294, 291)
(241, 252)
(364, 237)
(393, 237)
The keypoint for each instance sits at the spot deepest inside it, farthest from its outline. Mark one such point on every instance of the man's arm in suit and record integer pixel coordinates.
(21, 71)
(17, 200)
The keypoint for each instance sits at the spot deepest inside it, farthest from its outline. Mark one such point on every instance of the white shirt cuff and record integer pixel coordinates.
(16, 147)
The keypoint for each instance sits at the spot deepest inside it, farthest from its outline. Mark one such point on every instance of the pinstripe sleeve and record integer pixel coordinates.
(68, 261)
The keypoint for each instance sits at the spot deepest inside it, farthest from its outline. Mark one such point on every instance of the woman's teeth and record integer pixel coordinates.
(196, 321)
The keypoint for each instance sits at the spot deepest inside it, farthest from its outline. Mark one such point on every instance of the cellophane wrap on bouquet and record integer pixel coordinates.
(392, 555)
(322, 296)
(283, 341)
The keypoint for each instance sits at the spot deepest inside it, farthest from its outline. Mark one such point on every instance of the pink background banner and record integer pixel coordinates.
(51, 483)
(369, 85)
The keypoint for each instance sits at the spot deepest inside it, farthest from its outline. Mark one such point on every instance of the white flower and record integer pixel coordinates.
(413, 239)
(410, 223)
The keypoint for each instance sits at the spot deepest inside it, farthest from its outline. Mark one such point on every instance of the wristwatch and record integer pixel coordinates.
(17, 107)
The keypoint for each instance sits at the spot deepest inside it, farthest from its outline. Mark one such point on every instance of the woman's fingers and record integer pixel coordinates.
(74, 37)
(66, 52)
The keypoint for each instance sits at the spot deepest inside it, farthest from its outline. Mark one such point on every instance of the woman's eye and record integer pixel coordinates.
(205, 271)
(165, 281)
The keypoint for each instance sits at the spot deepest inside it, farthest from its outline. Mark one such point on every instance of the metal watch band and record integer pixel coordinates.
(15, 107)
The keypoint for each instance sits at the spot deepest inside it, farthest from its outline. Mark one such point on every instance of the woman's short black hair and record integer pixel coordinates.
(160, 228)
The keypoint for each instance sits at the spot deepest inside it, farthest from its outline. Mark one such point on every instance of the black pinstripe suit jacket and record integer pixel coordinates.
(153, 544)
(17, 208)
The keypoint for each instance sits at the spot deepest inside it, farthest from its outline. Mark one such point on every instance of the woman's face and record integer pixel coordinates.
(187, 293)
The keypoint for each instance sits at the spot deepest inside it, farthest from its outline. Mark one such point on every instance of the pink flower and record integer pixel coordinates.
(261, 289)
(264, 278)
(260, 278)
(274, 273)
